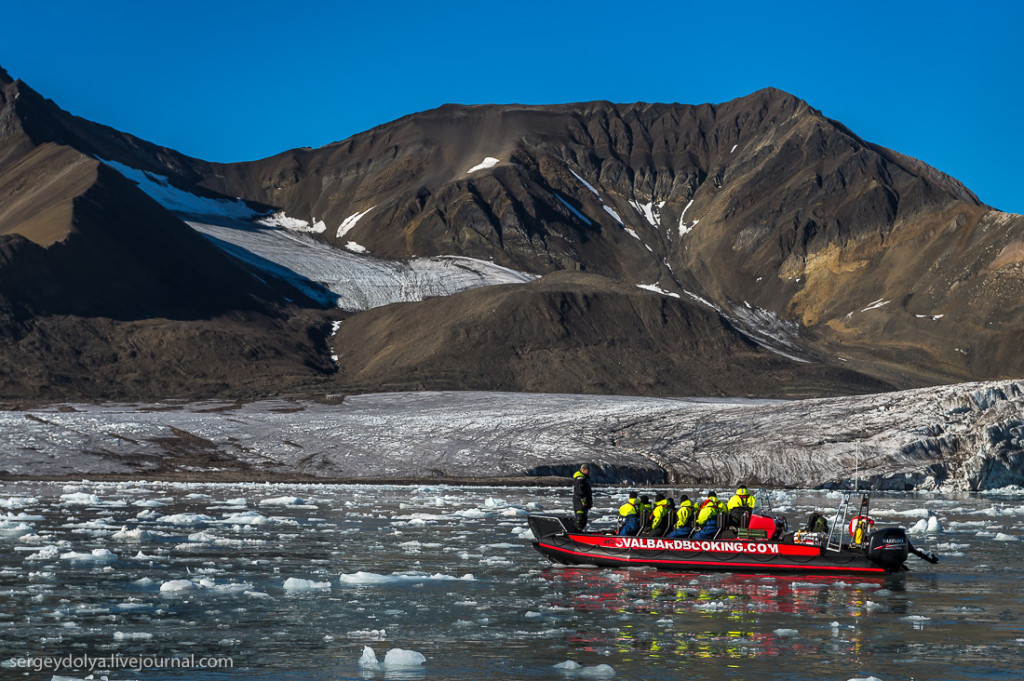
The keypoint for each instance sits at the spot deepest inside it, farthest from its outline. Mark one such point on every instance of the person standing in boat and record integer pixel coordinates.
(629, 516)
(684, 519)
(740, 506)
(582, 496)
(707, 517)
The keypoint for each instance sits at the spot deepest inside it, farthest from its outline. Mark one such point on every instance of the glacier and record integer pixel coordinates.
(948, 438)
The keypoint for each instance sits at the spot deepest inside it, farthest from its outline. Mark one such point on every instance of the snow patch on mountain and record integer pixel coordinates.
(685, 229)
(654, 288)
(875, 305)
(651, 211)
(160, 189)
(352, 282)
(488, 162)
(282, 221)
(586, 184)
(282, 247)
(611, 211)
(348, 223)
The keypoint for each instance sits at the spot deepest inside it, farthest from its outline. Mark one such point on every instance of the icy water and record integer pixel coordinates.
(295, 581)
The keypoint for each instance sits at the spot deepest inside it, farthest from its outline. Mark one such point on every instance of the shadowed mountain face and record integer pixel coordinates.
(780, 254)
(104, 293)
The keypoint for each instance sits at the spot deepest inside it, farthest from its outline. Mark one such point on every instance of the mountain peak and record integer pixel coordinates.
(5, 78)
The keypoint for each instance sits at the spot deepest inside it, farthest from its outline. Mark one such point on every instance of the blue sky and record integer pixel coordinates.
(230, 81)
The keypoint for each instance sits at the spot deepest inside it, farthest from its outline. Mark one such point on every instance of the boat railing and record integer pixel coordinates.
(835, 532)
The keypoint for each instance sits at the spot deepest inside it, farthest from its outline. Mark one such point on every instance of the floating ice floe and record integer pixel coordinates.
(80, 499)
(244, 518)
(929, 525)
(185, 519)
(601, 671)
(124, 534)
(11, 530)
(396, 658)
(95, 556)
(298, 584)
(205, 584)
(372, 578)
(19, 502)
(786, 633)
(45, 553)
(282, 501)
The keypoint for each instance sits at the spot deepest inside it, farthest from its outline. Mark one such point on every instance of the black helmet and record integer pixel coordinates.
(644, 499)
(659, 496)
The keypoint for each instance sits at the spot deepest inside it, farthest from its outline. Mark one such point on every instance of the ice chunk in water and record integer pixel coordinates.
(282, 501)
(14, 530)
(46, 553)
(185, 519)
(124, 534)
(96, 556)
(369, 659)
(296, 584)
(80, 499)
(396, 658)
(175, 585)
(929, 525)
(601, 671)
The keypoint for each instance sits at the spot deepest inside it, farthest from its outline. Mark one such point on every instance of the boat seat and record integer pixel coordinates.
(744, 533)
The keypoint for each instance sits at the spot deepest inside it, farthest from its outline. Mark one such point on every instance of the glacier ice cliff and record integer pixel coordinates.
(957, 437)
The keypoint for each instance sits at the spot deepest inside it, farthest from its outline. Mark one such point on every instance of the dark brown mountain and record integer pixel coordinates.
(793, 258)
(571, 333)
(883, 264)
(104, 293)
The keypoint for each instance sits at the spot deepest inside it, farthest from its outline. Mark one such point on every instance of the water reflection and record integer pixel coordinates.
(701, 615)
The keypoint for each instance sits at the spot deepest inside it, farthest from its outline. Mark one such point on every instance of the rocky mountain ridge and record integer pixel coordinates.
(753, 247)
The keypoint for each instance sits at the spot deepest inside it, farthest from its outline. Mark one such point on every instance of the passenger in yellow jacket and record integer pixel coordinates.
(629, 516)
(660, 514)
(684, 519)
(740, 507)
(707, 517)
(742, 498)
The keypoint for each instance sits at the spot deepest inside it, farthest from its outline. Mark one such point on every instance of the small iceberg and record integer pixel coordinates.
(396, 658)
(297, 584)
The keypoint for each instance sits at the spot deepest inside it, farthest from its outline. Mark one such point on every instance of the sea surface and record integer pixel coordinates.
(316, 582)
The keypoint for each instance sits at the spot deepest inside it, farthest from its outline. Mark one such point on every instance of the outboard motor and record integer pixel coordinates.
(889, 548)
